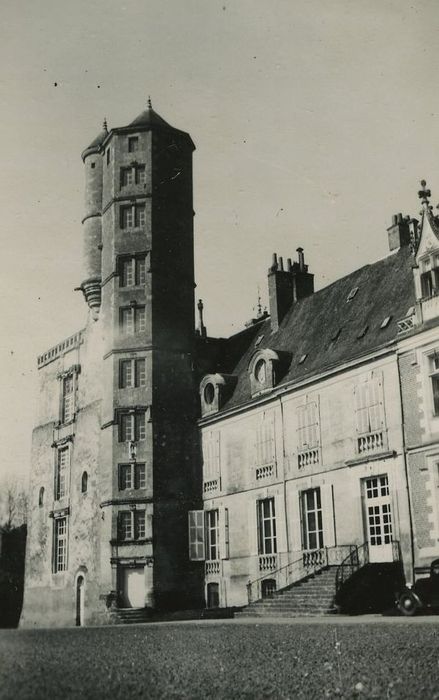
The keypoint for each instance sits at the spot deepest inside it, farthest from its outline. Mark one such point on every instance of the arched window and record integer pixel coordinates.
(41, 496)
(84, 482)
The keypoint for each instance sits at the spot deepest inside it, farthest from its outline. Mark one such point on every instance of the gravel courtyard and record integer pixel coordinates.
(356, 657)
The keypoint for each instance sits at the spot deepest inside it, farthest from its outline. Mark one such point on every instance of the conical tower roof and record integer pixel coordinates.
(95, 145)
(149, 118)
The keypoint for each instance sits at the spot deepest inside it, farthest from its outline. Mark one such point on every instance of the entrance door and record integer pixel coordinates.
(379, 519)
(133, 586)
(80, 601)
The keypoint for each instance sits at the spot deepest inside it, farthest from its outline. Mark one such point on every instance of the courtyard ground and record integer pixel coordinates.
(361, 657)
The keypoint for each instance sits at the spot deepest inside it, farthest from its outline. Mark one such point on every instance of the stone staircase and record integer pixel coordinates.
(313, 595)
(130, 616)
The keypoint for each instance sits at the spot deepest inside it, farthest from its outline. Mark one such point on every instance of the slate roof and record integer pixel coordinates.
(95, 145)
(327, 328)
(149, 118)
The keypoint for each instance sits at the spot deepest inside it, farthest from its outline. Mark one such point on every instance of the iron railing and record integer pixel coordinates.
(358, 557)
(309, 562)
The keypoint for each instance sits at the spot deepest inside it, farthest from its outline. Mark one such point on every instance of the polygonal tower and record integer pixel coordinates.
(115, 457)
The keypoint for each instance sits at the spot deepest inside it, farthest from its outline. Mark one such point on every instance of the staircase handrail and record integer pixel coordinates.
(309, 562)
(358, 557)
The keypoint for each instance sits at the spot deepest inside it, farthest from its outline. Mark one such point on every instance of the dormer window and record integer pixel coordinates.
(352, 293)
(262, 370)
(215, 389)
(429, 276)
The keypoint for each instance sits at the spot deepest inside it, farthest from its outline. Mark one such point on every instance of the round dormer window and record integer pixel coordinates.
(209, 393)
(261, 371)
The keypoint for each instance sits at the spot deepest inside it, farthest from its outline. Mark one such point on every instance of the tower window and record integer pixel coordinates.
(132, 525)
(67, 409)
(133, 174)
(108, 155)
(132, 476)
(132, 271)
(60, 545)
(132, 320)
(132, 426)
(132, 373)
(132, 216)
(84, 482)
(92, 165)
(61, 473)
(133, 144)
(126, 176)
(41, 497)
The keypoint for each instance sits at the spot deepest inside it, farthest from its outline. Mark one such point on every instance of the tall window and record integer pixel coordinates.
(84, 482)
(369, 414)
(68, 406)
(132, 373)
(266, 526)
(60, 545)
(132, 426)
(196, 535)
(132, 525)
(312, 519)
(132, 320)
(132, 271)
(61, 473)
(434, 378)
(133, 144)
(132, 476)
(307, 426)
(132, 216)
(212, 533)
(265, 439)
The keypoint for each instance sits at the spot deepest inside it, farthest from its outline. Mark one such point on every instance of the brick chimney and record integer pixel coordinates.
(399, 231)
(285, 287)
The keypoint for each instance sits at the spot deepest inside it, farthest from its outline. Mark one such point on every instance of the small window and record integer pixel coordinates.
(132, 476)
(108, 155)
(336, 335)
(67, 412)
(84, 482)
(133, 144)
(60, 545)
(213, 599)
(386, 322)
(126, 217)
(92, 165)
(61, 473)
(352, 293)
(126, 176)
(363, 332)
(132, 320)
(132, 525)
(41, 497)
(261, 372)
(209, 393)
(140, 175)
(302, 359)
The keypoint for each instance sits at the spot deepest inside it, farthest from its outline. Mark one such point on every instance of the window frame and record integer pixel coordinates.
(136, 522)
(132, 267)
(212, 535)
(137, 476)
(62, 473)
(68, 398)
(132, 319)
(266, 524)
(317, 531)
(60, 545)
(133, 144)
(133, 424)
(136, 373)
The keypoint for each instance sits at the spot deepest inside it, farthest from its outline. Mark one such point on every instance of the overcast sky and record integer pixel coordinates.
(314, 122)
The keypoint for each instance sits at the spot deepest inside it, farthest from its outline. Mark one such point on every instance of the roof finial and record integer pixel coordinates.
(149, 102)
(424, 194)
(105, 125)
(259, 307)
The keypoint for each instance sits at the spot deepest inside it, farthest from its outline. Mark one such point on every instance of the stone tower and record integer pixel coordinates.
(115, 534)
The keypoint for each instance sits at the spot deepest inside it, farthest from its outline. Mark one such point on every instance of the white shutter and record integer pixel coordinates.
(294, 514)
(216, 469)
(300, 427)
(224, 533)
(252, 528)
(328, 515)
(361, 410)
(281, 534)
(271, 457)
(196, 535)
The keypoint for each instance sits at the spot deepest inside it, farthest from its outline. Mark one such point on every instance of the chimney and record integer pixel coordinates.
(399, 231)
(285, 287)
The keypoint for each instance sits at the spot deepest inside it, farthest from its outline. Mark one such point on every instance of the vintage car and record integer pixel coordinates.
(423, 595)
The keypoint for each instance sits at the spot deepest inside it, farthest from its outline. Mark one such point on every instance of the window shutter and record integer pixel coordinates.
(217, 455)
(361, 411)
(301, 439)
(281, 535)
(295, 519)
(328, 515)
(196, 535)
(271, 444)
(224, 533)
(252, 527)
